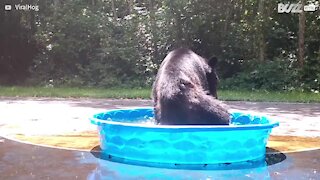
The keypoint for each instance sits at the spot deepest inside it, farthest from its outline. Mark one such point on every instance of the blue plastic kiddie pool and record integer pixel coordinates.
(129, 136)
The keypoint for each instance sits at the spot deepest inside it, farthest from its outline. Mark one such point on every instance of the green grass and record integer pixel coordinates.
(145, 93)
(75, 92)
(294, 96)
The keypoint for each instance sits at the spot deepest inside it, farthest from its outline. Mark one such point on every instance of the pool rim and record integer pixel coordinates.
(271, 123)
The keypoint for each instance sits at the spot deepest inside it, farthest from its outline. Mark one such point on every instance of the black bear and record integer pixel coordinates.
(184, 92)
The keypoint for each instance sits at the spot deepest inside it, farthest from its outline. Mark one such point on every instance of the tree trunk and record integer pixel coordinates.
(180, 39)
(177, 24)
(302, 26)
(130, 4)
(56, 5)
(153, 30)
(228, 6)
(261, 39)
(114, 11)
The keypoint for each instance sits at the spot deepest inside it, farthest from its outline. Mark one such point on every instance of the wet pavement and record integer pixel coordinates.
(25, 161)
(44, 116)
(296, 119)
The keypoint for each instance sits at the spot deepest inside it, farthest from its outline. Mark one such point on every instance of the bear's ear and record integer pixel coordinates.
(213, 61)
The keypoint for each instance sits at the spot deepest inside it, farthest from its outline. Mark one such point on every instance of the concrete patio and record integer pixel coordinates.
(24, 155)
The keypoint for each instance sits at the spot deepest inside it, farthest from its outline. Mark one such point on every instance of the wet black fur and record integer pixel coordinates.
(184, 91)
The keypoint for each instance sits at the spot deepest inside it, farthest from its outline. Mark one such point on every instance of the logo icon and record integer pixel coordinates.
(296, 8)
(310, 8)
(7, 7)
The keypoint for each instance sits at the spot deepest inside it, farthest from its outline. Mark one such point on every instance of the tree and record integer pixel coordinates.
(116, 43)
(17, 44)
(261, 26)
(301, 38)
(114, 11)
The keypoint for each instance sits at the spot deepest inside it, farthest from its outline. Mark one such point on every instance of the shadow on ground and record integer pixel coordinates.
(273, 156)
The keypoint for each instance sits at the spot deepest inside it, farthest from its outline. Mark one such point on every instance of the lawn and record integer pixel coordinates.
(145, 93)
(267, 96)
(75, 92)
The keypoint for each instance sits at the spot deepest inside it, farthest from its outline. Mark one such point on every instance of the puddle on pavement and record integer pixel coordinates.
(277, 165)
(299, 165)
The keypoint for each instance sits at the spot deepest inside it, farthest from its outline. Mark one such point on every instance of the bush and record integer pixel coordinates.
(277, 74)
(310, 74)
(83, 46)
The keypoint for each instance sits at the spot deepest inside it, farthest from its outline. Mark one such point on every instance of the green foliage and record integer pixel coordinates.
(122, 43)
(311, 75)
(273, 75)
(17, 44)
(279, 74)
(83, 46)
